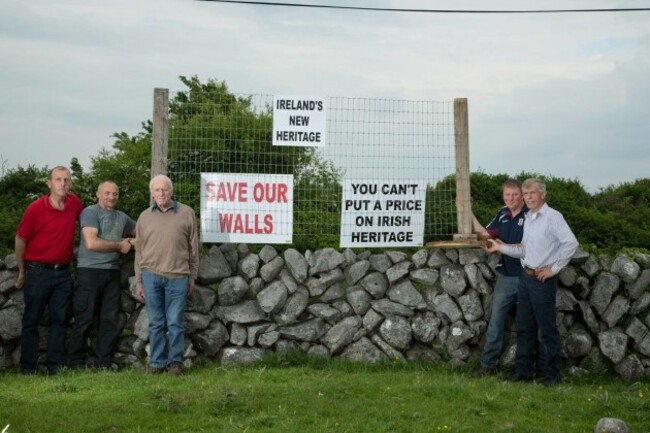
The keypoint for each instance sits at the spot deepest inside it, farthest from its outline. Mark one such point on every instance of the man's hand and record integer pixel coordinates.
(20, 280)
(190, 286)
(493, 245)
(543, 273)
(139, 291)
(125, 246)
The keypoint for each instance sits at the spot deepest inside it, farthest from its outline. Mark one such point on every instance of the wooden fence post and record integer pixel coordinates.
(463, 192)
(159, 137)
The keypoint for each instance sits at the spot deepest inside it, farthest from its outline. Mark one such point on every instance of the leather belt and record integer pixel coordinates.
(42, 265)
(530, 272)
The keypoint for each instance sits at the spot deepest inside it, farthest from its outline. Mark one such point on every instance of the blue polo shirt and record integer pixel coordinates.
(510, 229)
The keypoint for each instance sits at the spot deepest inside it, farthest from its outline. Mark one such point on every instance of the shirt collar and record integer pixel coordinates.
(174, 206)
(533, 215)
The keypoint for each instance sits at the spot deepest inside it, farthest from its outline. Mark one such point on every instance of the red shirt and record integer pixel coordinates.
(49, 232)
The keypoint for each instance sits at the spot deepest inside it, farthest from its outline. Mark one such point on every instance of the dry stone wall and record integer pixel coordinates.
(367, 307)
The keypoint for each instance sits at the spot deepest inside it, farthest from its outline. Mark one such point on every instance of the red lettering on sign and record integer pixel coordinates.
(236, 191)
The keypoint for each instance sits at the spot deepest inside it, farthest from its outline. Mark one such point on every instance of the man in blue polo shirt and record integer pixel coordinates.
(508, 227)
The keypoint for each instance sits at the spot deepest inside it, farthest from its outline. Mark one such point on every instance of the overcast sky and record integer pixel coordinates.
(566, 95)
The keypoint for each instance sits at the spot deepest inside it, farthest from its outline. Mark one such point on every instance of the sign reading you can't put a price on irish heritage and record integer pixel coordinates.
(299, 121)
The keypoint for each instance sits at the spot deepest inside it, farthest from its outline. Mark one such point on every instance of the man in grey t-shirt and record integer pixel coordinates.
(103, 231)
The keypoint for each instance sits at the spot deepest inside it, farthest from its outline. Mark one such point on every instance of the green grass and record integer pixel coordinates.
(284, 395)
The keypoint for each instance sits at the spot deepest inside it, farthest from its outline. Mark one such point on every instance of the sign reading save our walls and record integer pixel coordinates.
(246, 208)
(299, 121)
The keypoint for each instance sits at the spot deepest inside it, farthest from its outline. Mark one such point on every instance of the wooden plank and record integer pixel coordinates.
(457, 244)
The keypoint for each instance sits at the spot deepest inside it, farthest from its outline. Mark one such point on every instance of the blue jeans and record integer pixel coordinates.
(165, 303)
(536, 320)
(503, 299)
(43, 288)
(97, 295)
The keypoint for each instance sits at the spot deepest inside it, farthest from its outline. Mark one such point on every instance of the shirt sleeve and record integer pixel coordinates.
(568, 243)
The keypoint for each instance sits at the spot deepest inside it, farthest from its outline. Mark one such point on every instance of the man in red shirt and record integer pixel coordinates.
(44, 243)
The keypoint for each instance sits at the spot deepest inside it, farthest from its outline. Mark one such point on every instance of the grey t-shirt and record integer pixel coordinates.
(111, 226)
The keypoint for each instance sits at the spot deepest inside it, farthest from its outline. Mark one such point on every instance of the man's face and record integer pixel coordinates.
(162, 193)
(59, 183)
(533, 198)
(513, 198)
(108, 195)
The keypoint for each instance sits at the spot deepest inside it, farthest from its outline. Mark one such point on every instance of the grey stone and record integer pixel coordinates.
(358, 299)
(268, 253)
(486, 271)
(333, 292)
(613, 344)
(11, 322)
(605, 287)
(272, 269)
(425, 326)
(568, 276)
(615, 311)
(287, 346)
(211, 339)
(371, 320)
(232, 257)
(389, 350)
(631, 368)
(356, 271)
(310, 330)
(386, 308)
(459, 333)
(319, 351)
(318, 285)
(470, 305)
(406, 294)
(445, 307)
(350, 257)
(7, 281)
(245, 312)
(10, 262)
(341, 334)
(565, 301)
(380, 262)
(642, 259)
(345, 308)
(396, 256)
(426, 276)
(273, 297)
(396, 331)
(577, 345)
(294, 306)
(241, 355)
(196, 322)
(127, 304)
(376, 284)
(398, 271)
(213, 268)
(238, 334)
(626, 268)
(640, 286)
(641, 304)
(419, 258)
(288, 280)
(243, 250)
(468, 256)
(326, 260)
(582, 287)
(580, 256)
(141, 324)
(476, 280)
(297, 264)
(453, 280)
(329, 314)
(268, 339)
(611, 425)
(249, 266)
(493, 260)
(363, 351)
(256, 285)
(419, 352)
(452, 254)
(254, 332)
(591, 266)
(589, 317)
(232, 290)
(438, 259)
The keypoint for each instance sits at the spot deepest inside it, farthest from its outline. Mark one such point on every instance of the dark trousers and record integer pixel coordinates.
(536, 318)
(97, 295)
(43, 288)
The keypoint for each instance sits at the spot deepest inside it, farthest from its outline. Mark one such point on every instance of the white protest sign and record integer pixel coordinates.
(382, 213)
(246, 208)
(299, 121)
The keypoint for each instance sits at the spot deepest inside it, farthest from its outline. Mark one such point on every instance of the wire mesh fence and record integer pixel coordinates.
(390, 141)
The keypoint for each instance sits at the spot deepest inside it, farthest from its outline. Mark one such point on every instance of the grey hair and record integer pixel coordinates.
(167, 180)
(541, 186)
(102, 183)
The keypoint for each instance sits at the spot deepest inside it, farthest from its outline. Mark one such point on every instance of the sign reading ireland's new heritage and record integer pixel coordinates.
(299, 121)
(246, 208)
